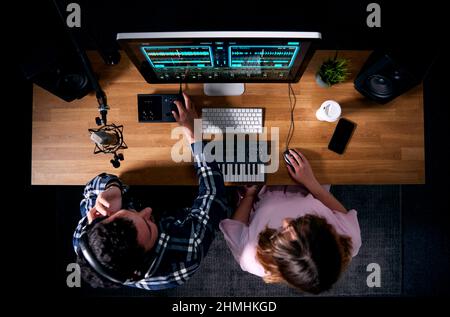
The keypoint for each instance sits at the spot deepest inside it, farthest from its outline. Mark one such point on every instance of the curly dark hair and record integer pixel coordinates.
(115, 246)
(312, 262)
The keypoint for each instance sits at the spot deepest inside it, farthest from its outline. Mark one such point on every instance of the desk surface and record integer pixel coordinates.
(387, 146)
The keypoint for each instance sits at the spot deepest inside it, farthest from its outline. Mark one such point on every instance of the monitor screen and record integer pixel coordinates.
(219, 57)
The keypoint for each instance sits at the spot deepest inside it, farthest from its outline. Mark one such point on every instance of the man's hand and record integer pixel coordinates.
(301, 171)
(186, 116)
(108, 202)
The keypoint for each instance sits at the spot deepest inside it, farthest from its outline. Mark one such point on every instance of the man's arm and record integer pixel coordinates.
(91, 191)
(96, 186)
(211, 194)
(190, 236)
(210, 206)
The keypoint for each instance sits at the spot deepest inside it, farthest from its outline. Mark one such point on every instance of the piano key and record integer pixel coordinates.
(260, 173)
(242, 172)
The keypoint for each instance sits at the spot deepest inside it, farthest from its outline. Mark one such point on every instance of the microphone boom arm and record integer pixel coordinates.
(100, 94)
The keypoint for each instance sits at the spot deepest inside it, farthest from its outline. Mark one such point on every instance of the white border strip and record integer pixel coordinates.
(226, 34)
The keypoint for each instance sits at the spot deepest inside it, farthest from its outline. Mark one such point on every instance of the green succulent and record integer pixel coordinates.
(334, 70)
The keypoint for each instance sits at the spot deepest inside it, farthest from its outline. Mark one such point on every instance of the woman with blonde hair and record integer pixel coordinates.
(298, 235)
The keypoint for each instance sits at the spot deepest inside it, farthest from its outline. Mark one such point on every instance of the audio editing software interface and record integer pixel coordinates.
(228, 61)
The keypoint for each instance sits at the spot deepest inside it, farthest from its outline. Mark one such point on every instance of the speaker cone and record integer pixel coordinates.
(380, 86)
(72, 83)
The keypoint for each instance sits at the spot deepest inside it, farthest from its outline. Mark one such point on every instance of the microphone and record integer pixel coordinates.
(104, 138)
(109, 139)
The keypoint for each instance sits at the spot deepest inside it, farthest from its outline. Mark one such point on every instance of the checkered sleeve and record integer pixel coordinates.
(210, 206)
(190, 237)
(91, 191)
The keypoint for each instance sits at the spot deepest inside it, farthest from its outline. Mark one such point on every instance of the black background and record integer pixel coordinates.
(415, 28)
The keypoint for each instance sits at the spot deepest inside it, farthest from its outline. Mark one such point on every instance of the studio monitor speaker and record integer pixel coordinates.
(61, 73)
(386, 75)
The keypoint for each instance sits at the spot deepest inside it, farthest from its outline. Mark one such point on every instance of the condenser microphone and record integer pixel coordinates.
(109, 139)
(104, 138)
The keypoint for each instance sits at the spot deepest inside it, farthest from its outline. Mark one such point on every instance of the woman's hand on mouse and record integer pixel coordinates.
(301, 170)
(186, 116)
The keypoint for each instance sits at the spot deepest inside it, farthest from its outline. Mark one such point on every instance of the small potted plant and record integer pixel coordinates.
(332, 71)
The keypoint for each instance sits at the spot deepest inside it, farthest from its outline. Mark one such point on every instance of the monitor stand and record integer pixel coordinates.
(217, 89)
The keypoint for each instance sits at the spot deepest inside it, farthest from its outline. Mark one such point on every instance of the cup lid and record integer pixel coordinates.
(331, 109)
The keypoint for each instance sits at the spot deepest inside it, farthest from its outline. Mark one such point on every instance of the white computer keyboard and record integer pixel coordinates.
(241, 120)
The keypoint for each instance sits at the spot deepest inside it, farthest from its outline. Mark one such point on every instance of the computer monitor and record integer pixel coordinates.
(221, 60)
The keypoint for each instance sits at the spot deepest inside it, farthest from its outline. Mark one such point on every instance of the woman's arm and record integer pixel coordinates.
(242, 213)
(326, 198)
(301, 172)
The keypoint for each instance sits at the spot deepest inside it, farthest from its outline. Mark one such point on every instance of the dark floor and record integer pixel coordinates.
(424, 208)
(380, 220)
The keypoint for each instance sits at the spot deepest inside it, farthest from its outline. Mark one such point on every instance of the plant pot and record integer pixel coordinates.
(321, 82)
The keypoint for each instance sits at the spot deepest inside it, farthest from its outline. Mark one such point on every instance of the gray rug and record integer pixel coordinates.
(379, 215)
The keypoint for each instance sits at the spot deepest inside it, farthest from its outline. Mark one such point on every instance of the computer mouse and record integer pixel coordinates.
(287, 154)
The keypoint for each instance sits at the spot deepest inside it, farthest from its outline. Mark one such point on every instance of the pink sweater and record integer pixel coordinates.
(275, 205)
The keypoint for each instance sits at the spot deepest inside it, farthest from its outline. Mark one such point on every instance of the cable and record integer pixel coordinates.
(291, 108)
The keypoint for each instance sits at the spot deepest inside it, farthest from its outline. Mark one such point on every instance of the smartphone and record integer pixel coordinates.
(341, 136)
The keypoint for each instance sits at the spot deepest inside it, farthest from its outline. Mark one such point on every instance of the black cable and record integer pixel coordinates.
(291, 108)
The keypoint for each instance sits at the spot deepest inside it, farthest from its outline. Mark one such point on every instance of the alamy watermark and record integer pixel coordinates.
(232, 145)
(74, 277)
(374, 18)
(374, 278)
(73, 19)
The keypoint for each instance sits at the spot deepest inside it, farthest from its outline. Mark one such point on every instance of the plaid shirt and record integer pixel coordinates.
(184, 238)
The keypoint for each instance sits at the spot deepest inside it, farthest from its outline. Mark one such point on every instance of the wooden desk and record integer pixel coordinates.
(387, 146)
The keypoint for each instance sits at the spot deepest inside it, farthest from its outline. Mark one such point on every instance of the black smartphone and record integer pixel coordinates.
(341, 136)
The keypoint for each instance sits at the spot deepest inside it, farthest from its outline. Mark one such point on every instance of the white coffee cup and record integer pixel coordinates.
(329, 111)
